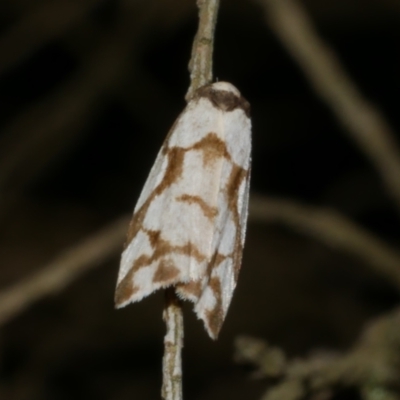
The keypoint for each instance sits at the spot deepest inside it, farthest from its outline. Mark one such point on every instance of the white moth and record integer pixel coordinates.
(189, 223)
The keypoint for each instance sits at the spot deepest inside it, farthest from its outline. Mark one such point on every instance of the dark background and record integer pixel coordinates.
(88, 91)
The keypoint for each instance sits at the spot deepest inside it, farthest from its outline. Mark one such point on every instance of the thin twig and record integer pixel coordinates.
(333, 229)
(200, 67)
(63, 270)
(362, 120)
(201, 62)
(173, 344)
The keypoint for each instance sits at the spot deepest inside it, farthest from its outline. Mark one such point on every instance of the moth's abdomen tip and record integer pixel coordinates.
(118, 303)
(117, 306)
(212, 331)
(212, 321)
(124, 293)
(213, 336)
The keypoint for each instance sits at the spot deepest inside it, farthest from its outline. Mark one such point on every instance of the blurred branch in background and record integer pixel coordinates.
(37, 137)
(66, 268)
(371, 366)
(332, 229)
(322, 225)
(45, 24)
(362, 120)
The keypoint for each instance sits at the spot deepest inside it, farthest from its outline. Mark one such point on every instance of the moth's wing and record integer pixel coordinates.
(213, 293)
(172, 230)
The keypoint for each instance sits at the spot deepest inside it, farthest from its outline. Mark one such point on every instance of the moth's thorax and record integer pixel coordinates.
(224, 96)
(226, 87)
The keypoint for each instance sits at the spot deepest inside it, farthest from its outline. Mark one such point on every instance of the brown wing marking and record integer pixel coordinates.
(173, 172)
(208, 211)
(126, 289)
(166, 272)
(212, 148)
(236, 178)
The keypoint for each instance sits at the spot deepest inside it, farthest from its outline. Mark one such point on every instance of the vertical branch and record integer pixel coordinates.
(362, 120)
(173, 343)
(200, 65)
(200, 68)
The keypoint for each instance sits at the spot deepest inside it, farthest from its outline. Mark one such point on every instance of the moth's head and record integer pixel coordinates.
(224, 96)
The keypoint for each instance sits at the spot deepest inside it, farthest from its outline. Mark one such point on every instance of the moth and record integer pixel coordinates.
(189, 224)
